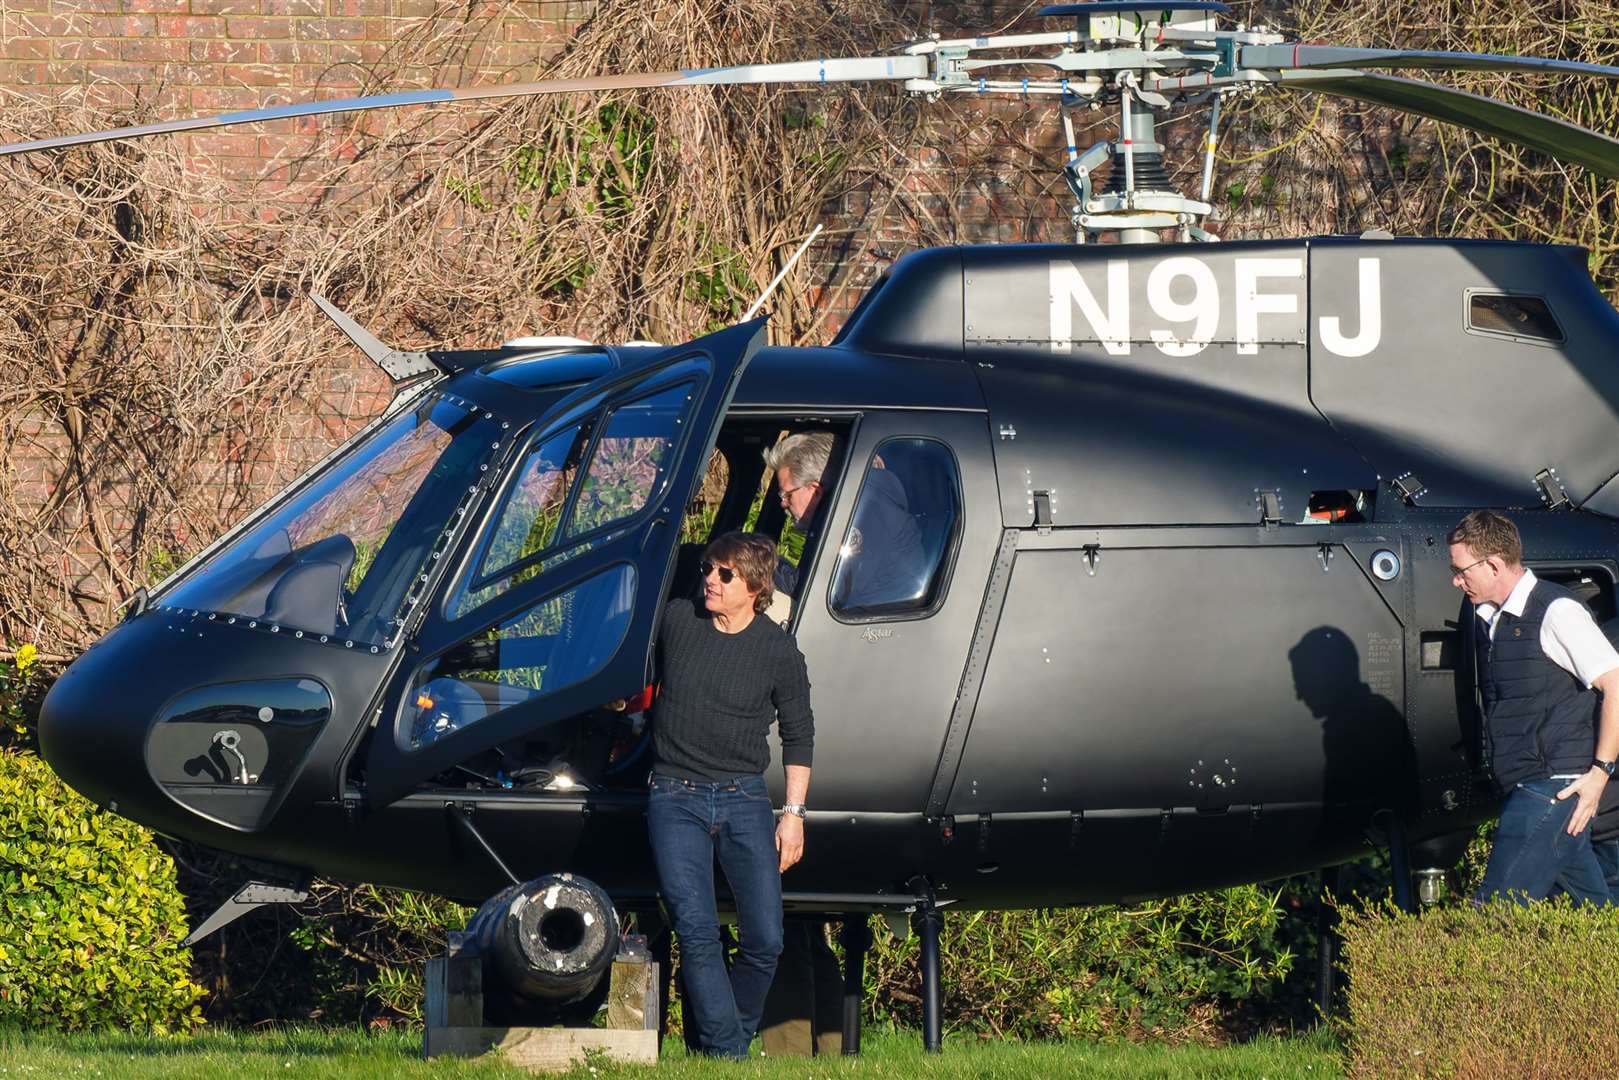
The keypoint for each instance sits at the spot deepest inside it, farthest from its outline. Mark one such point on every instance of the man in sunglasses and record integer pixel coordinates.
(1542, 664)
(726, 674)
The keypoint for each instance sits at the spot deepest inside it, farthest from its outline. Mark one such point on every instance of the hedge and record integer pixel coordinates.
(90, 918)
(1497, 991)
(1179, 969)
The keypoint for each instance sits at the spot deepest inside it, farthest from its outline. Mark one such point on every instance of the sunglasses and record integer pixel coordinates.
(727, 573)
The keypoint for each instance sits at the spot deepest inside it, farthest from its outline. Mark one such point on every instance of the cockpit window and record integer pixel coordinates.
(512, 552)
(894, 558)
(338, 558)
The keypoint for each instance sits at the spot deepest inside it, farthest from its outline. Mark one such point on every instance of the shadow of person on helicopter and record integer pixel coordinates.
(1368, 758)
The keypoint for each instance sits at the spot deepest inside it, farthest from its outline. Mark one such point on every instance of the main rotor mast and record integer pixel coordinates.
(1115, 57)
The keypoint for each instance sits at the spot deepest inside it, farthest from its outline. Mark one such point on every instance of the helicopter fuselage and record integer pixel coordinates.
(1185, 619)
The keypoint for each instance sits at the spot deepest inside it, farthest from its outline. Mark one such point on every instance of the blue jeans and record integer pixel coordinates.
(689, 824)
(1533, 851)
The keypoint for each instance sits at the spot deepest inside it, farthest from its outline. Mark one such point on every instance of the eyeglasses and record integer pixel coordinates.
(1455, 572)
(727, 573)
(785, 492)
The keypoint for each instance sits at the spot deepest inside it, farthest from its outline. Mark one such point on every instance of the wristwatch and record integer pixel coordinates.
(1605, 766)
(797, 808)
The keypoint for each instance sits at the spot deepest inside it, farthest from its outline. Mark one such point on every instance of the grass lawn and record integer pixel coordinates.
(311, 1053)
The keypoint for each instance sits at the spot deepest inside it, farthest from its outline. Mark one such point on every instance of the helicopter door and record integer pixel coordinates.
(550, 608)
(886, 621)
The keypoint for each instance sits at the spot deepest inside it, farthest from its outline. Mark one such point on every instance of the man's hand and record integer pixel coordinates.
(1588, 788)
(790, 840)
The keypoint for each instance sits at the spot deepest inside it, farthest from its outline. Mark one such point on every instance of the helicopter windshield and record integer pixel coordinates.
(337, 558)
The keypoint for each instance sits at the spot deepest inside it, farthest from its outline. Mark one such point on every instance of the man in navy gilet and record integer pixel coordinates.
(1542, 661)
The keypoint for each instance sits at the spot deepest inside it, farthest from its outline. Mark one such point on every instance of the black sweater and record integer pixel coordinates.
(720, 693)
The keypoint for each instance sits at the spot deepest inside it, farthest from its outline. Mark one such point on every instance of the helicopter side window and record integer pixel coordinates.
(629, 462)
(626, 468)
(556, 643)
(895, 557)
(1516, 316)
(528, 520)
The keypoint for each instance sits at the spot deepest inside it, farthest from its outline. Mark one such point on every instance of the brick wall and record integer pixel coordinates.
(170, 59)
(200, 56)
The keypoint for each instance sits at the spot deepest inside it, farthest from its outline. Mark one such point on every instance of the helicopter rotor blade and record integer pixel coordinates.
(1487, 116)
(1306, 57)
(809, 72)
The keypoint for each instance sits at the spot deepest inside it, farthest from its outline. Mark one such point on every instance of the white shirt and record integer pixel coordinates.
(1569, 636)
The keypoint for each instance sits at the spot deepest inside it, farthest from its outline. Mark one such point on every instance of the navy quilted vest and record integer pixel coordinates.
(1539, 719)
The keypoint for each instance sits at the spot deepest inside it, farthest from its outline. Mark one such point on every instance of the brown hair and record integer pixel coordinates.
(1489, 533)
(754, 557)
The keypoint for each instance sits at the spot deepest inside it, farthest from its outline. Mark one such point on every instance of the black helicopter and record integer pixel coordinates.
(1180, 613)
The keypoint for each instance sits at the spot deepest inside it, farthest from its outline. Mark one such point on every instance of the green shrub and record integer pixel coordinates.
(90, 919)
(19, 688)
(368, 949)
(1171, 969)
(350, 955)
(1501, 990)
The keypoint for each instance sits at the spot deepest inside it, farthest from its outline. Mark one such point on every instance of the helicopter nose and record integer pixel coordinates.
(90, 727)
(191, 725)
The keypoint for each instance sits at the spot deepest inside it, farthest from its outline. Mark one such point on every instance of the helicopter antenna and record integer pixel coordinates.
(754, 310)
